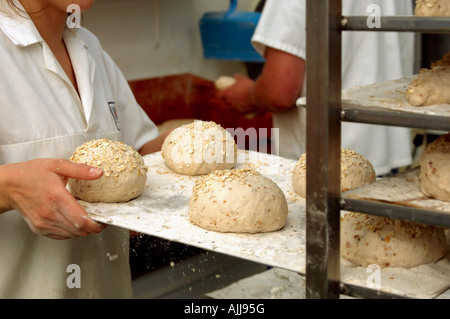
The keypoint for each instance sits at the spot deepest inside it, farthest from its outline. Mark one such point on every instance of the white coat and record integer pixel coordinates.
(367, 57)
(43, 116)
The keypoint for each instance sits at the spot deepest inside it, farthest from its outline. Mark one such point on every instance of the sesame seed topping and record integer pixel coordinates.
(204, 183)
(112, 156)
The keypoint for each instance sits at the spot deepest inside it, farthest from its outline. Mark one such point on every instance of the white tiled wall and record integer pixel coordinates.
(151, 38)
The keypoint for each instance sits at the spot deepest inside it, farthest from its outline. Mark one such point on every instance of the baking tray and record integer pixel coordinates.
(401, 189)
(162, 211)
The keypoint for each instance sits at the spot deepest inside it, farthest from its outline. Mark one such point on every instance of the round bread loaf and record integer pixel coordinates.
(199, 148)
(239, 201)
(435, 169)
(367, 239)
(355, 171)
(124, 172)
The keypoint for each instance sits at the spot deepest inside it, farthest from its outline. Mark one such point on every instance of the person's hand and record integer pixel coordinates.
(37, 190)
(238, 95)
(154, 145)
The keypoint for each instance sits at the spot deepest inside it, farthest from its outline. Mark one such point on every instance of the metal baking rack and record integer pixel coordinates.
(394, 118)
(325, 24)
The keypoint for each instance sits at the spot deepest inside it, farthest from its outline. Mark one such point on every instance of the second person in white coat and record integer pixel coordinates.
(367, 57)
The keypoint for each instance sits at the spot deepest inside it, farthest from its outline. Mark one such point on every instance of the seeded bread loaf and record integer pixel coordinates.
(387, 242)
(355, 171)
(124, 172)
(239, 201)
(199, 148)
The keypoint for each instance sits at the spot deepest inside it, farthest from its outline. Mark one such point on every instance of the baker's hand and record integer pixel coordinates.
(37, 190)
(238, 95)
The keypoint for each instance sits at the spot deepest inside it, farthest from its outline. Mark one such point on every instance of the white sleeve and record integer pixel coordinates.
(282, 26)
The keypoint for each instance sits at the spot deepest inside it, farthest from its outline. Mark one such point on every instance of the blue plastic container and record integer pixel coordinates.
(227, 35)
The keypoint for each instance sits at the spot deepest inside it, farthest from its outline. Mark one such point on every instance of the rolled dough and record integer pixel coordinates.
(173, 124)
(430, 8)
(199, 148)
(124, 172)
(224, 81)
(435, 169)
(239, 201)
(430, 86)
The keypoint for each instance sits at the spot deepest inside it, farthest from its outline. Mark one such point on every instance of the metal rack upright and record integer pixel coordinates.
(325, 24)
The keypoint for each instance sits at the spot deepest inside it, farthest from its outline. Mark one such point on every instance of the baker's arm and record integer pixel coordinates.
(37, 190)
(275, 90)
(155, 144)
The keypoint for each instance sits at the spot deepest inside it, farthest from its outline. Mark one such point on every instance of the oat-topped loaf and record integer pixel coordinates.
(356, 171)
(124, 172)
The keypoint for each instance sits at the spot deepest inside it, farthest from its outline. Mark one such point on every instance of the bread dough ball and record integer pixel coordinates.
(173, 124)
(355, 171)
(432, 8)
(199, 148)
(430, 86)
(124, 172)
(435, 169)
(224, 81)
(239, 201)
(368, 239)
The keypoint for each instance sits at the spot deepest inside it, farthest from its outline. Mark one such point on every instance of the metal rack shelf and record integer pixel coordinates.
(324, 96)
(361, 292)
(376, 115)
(417, 215)
(398, 24)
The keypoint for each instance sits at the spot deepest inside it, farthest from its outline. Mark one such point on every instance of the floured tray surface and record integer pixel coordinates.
(162, 211)
(425, 281)
(402, 189)
(388, 95)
